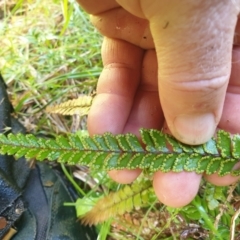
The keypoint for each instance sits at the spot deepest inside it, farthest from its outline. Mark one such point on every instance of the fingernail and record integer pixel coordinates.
(194, 129)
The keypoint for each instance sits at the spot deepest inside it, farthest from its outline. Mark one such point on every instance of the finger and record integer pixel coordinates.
(133, 7)
(118, 23)
(236, 40)
(194, 60)
(199, 77)
(116, 88)
(231, 115)
(231, 110)
(146, 111)
(222, 181)
(114, 22)
(200, 70)
(165, 184)
(93, 6)
(176, 189)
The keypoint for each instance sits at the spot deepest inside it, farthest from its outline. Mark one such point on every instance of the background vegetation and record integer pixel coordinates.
(50, 53)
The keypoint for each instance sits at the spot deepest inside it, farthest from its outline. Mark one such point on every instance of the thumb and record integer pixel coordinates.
(193, 41)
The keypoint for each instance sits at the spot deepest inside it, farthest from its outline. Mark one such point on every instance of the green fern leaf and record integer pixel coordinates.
(135, 161)
(224, 143)
(14, 139)
(214, 165)
(203, 164)
(176, 147)
(168, 162)
(192, 163)
(158, 140)
(108, 152)
(179, 163)
(76, 141)
(21, 152)
(236, 146)
(227, 167)
(32, 140)
(210, 147)
(4, 139)
(157, 162)
(43, 154)
(31, 153)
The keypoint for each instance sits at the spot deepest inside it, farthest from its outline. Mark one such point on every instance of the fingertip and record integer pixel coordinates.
(194, 129)
(176, 189)
(124, 176)
(217, 180)
(221, 181)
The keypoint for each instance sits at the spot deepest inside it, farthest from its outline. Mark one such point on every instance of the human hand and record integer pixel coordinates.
(185, 59)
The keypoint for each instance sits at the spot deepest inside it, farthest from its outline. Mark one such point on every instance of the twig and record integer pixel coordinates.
(233, 223)
(223, 206)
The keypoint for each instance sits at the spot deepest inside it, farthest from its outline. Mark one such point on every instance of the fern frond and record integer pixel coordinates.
(116, 203)
(78, 106)
(108, 152)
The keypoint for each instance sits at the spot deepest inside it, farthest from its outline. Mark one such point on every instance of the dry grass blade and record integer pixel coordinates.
(78, 106)
(223, 208)
(233, 223)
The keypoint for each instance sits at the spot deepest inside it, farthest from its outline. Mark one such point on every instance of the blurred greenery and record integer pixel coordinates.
(49, 53)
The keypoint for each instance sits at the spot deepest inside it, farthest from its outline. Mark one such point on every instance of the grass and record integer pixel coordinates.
(49, 54)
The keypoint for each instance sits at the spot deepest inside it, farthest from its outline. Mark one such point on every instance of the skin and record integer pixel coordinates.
(171, 65)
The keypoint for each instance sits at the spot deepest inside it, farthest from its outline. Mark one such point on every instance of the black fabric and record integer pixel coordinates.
(32, 199)
(11, 203)
(36, 198)
(46, 192)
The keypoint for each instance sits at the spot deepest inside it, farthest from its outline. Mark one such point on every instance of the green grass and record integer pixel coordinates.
(49, 54)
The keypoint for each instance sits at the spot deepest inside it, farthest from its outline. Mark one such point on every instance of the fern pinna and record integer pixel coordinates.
(136, 195)
(108, 152)
(80, 106)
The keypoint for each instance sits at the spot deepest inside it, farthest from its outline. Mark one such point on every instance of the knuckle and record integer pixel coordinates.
(210, 84)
